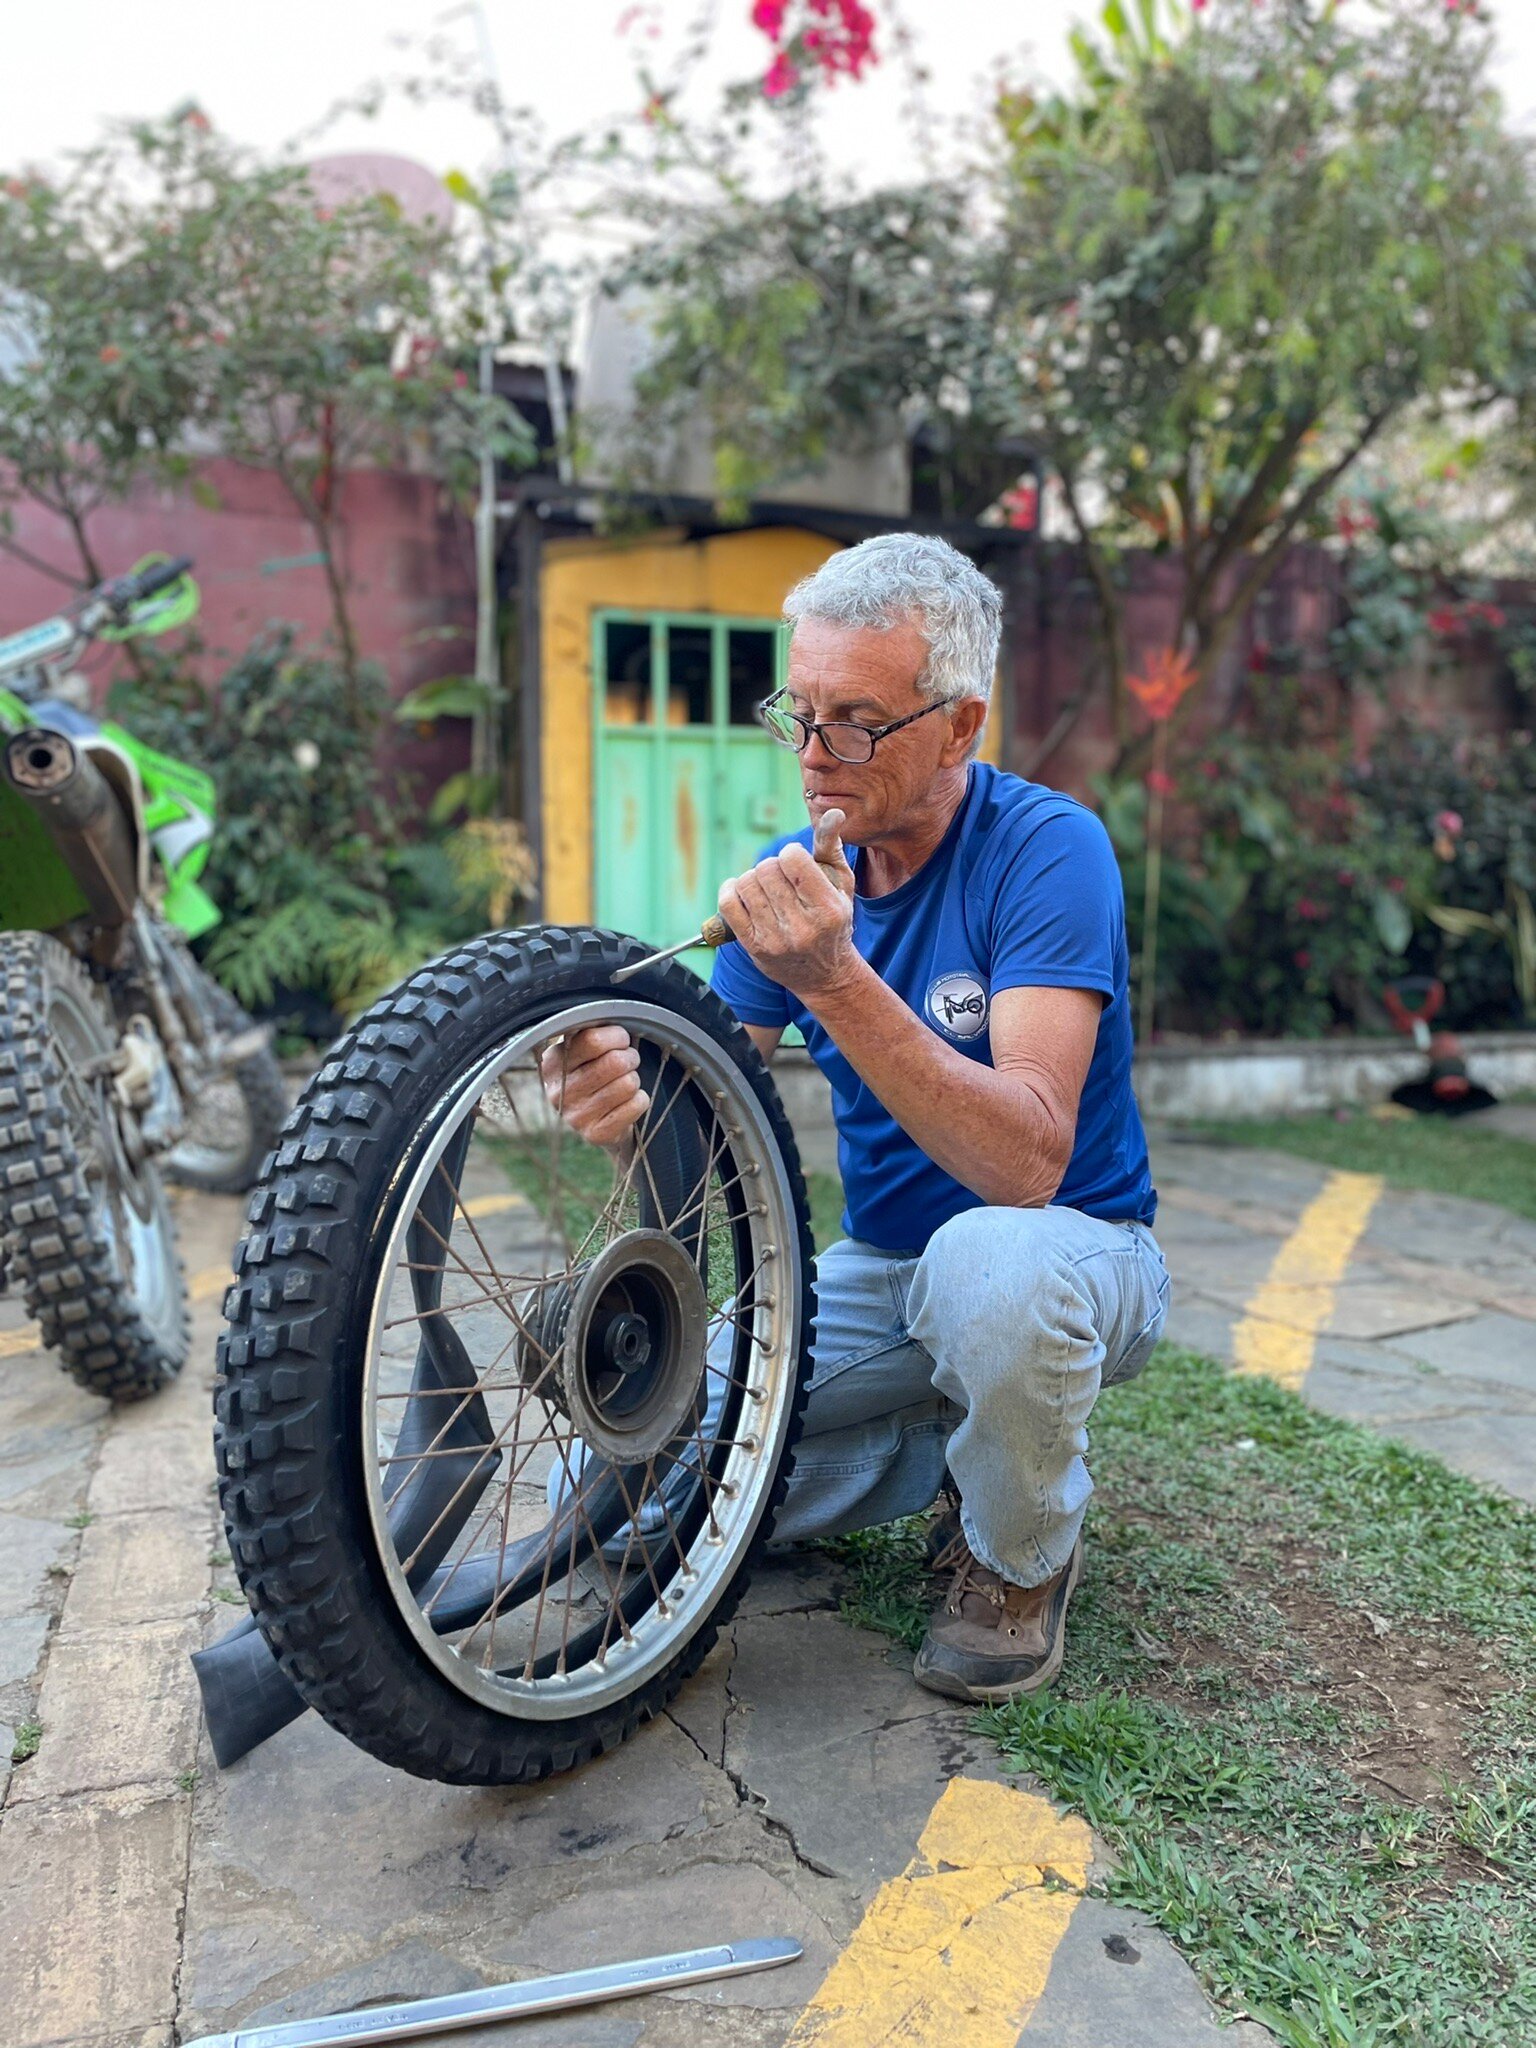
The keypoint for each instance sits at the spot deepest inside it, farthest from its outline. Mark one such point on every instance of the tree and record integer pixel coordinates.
(332, 345)
(1247, 243)
(98, 372)
(173, 282)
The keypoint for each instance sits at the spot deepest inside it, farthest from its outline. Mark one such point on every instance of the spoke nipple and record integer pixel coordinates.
(757, 1393)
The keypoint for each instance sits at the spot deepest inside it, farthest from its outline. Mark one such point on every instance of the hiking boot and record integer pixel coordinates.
(992, 1640)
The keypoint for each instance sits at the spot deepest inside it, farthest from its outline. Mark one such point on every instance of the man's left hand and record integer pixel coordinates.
(793, 913)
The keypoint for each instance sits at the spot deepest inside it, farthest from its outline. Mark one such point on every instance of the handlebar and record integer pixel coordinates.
(121, 591)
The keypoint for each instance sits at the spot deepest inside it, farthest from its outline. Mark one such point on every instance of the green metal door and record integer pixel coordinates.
(689, 786)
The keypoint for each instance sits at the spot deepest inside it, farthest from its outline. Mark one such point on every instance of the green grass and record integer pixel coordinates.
(825, 1191)
(24, 1746)
(1298, 1705)
(1439, 1153)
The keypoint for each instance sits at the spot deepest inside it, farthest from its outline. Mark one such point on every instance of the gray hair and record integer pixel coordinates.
(913, 577)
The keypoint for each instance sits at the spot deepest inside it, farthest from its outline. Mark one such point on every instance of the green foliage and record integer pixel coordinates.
(1297, 881)
(322, 892)
(1240, 268)
(103, 376)
(172, 281)
(800, 324)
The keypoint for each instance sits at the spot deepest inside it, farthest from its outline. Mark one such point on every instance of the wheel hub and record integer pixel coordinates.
(631, 1331)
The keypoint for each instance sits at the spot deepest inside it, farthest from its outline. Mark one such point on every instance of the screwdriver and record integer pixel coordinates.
(716, 932)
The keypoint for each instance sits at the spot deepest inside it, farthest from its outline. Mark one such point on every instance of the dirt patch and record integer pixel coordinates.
(1426, 1693)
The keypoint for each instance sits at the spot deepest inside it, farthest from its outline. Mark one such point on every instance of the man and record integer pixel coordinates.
(961, 979)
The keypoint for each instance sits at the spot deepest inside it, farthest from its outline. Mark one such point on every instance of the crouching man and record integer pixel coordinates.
(951, 942)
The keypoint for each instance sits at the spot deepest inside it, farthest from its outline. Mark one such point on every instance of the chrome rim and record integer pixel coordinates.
(128, 1207)
(579, 1371)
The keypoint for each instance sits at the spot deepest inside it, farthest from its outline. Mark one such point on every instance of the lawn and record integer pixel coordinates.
(1297, 1705)
(1444, 1154)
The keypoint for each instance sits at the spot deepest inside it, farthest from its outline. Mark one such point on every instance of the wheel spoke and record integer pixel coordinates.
(559, 1522)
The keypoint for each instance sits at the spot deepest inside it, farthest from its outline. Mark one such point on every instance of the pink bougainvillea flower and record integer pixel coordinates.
(780, 77)
(1166, 679)
(1309, 911)
(1448, 821)
(1302, 958)
(768, 15)
(1160, 782)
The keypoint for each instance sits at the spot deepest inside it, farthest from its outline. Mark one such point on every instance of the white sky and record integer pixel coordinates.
(267, 69)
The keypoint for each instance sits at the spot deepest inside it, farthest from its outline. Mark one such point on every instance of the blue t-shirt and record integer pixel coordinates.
(1022, 892)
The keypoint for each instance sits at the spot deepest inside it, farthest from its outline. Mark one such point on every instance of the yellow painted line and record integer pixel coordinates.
(955, 1952)
(13, 1342)
(493, 1205)
(1279, 1330)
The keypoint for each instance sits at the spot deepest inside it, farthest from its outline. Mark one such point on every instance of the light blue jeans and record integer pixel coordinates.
(984, 1354)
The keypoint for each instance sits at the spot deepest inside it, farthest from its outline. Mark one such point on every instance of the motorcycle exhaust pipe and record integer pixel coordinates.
(65, 788)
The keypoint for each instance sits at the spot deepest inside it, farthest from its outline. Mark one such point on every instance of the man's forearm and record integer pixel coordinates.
(993, 1132)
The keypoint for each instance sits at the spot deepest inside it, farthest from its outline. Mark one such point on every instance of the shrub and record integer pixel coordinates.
(326, 899)
(1298, 882)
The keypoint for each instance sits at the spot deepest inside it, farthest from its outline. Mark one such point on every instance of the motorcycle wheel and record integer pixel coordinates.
(87, 1234)
(233, 1125)
(503, 1421)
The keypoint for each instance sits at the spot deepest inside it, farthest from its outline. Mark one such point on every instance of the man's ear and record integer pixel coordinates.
(965, 723)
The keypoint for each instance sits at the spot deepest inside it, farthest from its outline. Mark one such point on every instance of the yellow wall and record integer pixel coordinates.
(744, 575)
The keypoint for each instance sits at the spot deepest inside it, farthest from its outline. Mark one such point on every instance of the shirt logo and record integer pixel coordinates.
(957, 1003)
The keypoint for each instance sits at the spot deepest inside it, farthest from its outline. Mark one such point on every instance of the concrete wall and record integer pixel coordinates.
(1283, 1077)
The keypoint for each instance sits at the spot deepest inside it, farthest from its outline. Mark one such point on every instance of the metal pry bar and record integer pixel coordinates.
(715, 933)
(419, 2016)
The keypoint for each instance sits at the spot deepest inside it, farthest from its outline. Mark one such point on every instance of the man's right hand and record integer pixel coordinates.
(591, 1079)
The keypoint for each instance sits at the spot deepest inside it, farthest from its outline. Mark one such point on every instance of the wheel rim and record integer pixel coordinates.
(128, 1208)
(614, 1351)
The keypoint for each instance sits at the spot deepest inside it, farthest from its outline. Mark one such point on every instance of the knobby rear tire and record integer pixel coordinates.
(291, 1477)
(52, 1243)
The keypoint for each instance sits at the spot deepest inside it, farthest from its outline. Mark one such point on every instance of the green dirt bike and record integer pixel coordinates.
(120, 1059)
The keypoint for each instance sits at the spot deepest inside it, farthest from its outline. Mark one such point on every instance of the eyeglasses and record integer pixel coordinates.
(843, 739)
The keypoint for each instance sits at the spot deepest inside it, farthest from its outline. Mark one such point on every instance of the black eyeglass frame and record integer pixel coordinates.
(819, 728)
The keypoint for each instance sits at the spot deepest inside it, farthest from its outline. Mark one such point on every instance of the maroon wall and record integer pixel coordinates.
(408, 559)
(1054, 646)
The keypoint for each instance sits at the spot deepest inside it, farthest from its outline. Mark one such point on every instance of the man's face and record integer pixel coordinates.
(868, 674)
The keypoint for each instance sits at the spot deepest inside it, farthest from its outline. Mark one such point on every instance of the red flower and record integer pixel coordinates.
(1395, 884)
(1160, 782)
(1209, 770)
(1258, 657)
(1302, 958)
(1443, 621)
(1448, 822)
(111, 354)
(1309, 911)
(1168, 676)
(1345, 878)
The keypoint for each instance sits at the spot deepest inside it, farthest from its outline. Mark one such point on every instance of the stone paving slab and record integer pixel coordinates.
(1432, 1336)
